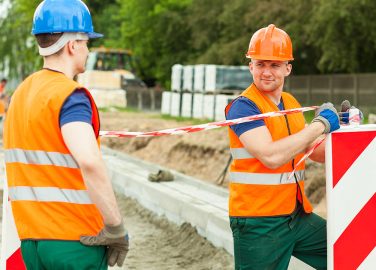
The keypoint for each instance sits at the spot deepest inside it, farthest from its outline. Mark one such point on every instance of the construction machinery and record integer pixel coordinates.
(109, 74)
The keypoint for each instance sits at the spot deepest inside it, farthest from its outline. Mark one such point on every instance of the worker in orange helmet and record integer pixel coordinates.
(270, 215)
(62, 200)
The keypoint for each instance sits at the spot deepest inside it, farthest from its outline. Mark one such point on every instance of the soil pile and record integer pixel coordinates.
(203, 155)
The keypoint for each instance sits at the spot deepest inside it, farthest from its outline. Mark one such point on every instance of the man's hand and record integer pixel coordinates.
(117, 240)
(344, 113)
(328, 116)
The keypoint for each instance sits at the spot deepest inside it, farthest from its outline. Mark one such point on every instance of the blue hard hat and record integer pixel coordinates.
(57, 16)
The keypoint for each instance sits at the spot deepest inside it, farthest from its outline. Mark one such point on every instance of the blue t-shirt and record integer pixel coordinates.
(76, 108)
(242, 107)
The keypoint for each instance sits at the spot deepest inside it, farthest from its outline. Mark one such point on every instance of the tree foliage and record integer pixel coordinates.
(17, 47)
(329, 36)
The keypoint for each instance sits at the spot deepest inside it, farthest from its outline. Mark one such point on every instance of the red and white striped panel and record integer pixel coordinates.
(351, 199)
(10, 257)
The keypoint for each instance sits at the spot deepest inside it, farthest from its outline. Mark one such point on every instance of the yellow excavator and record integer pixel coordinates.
(109, 74)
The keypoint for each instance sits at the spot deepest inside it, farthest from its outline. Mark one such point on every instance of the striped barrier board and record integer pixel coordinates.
(351, 199)
(10, 256)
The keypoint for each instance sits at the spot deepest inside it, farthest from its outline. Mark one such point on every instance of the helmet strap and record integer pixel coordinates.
(60, 43)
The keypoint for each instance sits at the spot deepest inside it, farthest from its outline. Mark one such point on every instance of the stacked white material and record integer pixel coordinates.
(208, 106)
(186, 110)
(176, 77)
(226, 77)
(107, 98)
(175, 104)
(166, 102)
(198, 105)
(199, 80)
(221, 103)
(188, 76)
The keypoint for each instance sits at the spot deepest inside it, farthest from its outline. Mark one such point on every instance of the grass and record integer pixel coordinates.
(309, 116)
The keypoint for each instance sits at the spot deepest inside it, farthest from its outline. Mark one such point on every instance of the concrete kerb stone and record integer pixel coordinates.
(186, 199)
(183, 200)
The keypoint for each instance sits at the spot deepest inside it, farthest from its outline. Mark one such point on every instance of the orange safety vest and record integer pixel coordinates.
(2, 107)
(255, 190)
(46, 189)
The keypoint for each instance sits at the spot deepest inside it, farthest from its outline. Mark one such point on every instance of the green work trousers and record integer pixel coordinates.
(267, 243)
(62, 255)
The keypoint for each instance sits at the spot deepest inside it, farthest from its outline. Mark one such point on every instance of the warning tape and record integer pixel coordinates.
(207, 126)
(307, 154)
(213, 125)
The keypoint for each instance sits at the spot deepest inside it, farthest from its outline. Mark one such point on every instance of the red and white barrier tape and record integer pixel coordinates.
(196, 128)
(307, 154)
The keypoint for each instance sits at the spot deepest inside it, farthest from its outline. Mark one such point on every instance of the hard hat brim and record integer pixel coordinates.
(94, 35)
(270, 58)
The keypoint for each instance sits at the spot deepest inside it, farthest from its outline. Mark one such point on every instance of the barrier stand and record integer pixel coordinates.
(351, 199)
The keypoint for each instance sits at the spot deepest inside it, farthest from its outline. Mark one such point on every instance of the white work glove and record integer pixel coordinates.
(344, 114)
(328, 116)
(115, 238)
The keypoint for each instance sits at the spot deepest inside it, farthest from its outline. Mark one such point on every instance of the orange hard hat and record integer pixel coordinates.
(270, 43)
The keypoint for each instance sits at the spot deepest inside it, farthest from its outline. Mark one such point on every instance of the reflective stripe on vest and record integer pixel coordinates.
(240, 153)
(49, 194)
(40, 158)
(265, 178)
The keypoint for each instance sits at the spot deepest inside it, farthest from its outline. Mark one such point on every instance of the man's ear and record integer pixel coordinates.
(251, 67)
(70, 46)
(288, 69)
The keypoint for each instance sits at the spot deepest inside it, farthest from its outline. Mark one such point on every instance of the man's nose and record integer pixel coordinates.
(267, 71)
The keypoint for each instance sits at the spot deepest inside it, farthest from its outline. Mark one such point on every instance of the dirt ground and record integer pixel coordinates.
(203, 154)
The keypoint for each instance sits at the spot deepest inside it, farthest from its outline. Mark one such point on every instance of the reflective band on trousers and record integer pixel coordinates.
(40, 158)
(49, 194)
(265, 178)
(240, 153)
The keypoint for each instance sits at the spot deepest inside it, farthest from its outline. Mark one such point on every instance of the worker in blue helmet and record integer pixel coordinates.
(62, 200)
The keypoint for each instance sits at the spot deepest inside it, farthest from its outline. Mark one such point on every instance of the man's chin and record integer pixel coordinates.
(267, 87)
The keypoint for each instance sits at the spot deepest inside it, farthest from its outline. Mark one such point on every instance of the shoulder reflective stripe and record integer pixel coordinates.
(264, 178)
(49, 194)
(40, 158)
(240, 153)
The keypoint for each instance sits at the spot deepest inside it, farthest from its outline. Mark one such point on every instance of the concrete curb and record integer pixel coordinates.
(186, 199)
(183, 200)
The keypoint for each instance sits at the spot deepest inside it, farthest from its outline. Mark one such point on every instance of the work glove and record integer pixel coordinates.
(328, 116)
(344, 113)
(115, 238)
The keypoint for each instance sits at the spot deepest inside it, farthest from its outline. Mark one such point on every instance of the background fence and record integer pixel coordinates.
(144, 98)
(359, 89)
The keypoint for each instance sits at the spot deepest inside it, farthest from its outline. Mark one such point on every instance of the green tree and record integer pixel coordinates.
(18, 49)
(343, 32)
(157, 33)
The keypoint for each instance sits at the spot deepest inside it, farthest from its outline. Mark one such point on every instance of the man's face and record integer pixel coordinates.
(269, 75)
